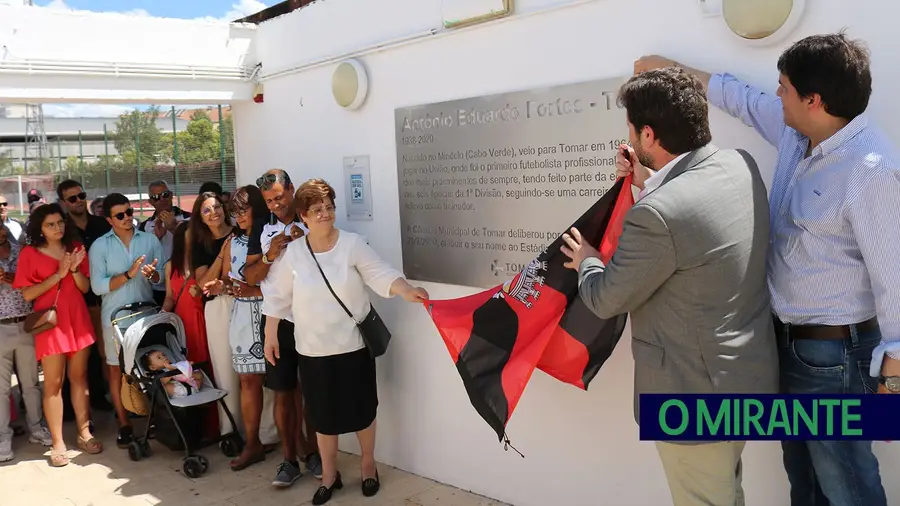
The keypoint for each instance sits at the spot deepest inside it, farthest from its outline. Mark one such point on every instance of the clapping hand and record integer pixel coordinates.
(78, 256)
(214, 287)
(159, 228)
(136, 267)
(65, 265)
(150, 269)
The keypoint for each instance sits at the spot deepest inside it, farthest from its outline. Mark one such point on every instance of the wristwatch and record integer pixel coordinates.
(892, 383)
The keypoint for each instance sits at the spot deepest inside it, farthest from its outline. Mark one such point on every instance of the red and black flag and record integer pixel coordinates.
(497, 337)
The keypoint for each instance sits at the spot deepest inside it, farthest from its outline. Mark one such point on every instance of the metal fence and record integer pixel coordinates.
(126, 156)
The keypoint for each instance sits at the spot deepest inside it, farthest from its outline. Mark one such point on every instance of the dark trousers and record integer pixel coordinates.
(830, 473)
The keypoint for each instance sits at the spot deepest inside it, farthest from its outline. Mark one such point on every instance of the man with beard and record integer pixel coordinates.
(832, 265)
(267, 242)
(73, 200)
(690, 268)
(166, 217)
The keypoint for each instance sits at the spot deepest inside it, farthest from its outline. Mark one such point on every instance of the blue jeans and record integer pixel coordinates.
(830, 473)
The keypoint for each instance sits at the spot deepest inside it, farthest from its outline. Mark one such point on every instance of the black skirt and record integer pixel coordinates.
(340, 392)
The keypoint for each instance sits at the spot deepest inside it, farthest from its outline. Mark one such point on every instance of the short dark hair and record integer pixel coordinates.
(112, 200)
(210, 186)
(34, 231)
(68, 184)
(832, 66)
(672, 103)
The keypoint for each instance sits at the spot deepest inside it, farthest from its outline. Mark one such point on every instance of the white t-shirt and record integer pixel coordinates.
(269, 231)
(296, 288)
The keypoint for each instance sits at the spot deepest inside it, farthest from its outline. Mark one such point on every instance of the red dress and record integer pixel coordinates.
(190, 310)
(74, 330)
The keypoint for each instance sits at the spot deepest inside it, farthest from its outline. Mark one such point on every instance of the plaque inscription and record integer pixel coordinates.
(486, 183)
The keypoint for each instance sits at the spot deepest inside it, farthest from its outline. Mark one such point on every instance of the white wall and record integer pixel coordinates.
(581, 448)
(32, 33)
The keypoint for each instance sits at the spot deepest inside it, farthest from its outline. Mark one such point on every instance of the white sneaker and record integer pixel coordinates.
(40, 435)
(6, 453)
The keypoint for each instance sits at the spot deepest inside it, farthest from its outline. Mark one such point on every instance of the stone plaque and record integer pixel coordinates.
(486, 183)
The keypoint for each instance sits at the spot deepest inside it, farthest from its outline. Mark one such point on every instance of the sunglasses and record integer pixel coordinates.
(121, 216)
(269, 179)
(206, 211)
(161, 195)
(75, 198)
(4, 204)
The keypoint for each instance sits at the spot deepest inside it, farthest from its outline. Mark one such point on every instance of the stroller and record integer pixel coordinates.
(178, 421)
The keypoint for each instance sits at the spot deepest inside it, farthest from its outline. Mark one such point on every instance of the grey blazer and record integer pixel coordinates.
(690, 268)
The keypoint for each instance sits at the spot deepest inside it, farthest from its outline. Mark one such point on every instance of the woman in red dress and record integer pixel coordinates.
(188, 298)
(53, 270)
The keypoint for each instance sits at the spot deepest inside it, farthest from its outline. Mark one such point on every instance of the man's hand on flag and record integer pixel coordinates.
(576, 249)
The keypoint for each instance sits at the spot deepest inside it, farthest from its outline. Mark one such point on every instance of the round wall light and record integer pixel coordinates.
(349, 84)
(762, 22)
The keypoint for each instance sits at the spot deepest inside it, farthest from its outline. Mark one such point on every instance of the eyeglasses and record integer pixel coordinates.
(4, 204)
(267, 180)
(55, 225)
(75, 198)
(238, 213)
(206, 211)
(121, 216)
(161, 195)
(322, 211)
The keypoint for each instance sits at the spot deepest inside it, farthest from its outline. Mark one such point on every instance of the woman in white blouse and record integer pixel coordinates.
(337, 374)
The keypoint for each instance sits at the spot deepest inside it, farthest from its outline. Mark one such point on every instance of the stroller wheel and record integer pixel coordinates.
(145, 448)
(203, 462)
(134, 451)
(232, 447)
(193, 467)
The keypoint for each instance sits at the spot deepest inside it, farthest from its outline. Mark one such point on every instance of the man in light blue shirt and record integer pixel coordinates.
(832, 269)
(123, 266)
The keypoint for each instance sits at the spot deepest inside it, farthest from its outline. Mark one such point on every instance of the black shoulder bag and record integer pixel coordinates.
(374, 332)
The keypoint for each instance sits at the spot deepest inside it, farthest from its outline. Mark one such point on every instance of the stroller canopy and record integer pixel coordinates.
(131, 341)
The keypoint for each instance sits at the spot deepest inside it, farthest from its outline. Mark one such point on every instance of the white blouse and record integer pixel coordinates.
(297, 292)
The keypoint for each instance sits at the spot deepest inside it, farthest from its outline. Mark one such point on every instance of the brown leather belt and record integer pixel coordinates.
(823, 331)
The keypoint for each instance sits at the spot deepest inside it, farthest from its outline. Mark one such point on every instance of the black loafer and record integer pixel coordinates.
(370, 486)
(323, 495)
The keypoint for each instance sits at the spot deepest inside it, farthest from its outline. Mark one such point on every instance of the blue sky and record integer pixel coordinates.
(221, 10)
(228, 10)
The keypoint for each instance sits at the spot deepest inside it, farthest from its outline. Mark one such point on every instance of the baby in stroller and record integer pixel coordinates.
(181, 385)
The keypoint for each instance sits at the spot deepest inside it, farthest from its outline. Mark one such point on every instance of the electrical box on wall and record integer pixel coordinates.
(358, 188)
(458, 13)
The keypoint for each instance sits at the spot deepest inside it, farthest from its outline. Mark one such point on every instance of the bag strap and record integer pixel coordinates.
(183, 286)
(56, 299)
(309, 247)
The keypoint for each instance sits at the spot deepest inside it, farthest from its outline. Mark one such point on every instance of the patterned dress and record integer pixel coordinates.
(244, 335)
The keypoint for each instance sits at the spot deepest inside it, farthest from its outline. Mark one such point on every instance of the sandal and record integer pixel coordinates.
(59, 459)
(90, 446)
(239, 465)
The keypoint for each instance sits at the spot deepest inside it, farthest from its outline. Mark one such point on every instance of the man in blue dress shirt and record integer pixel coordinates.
(124, 265)
(832, 269)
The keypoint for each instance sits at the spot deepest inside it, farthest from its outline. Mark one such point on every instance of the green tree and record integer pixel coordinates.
(138, 130)
(200, 140)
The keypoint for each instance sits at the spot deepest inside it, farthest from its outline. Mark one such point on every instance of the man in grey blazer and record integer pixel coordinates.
(690, 267)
